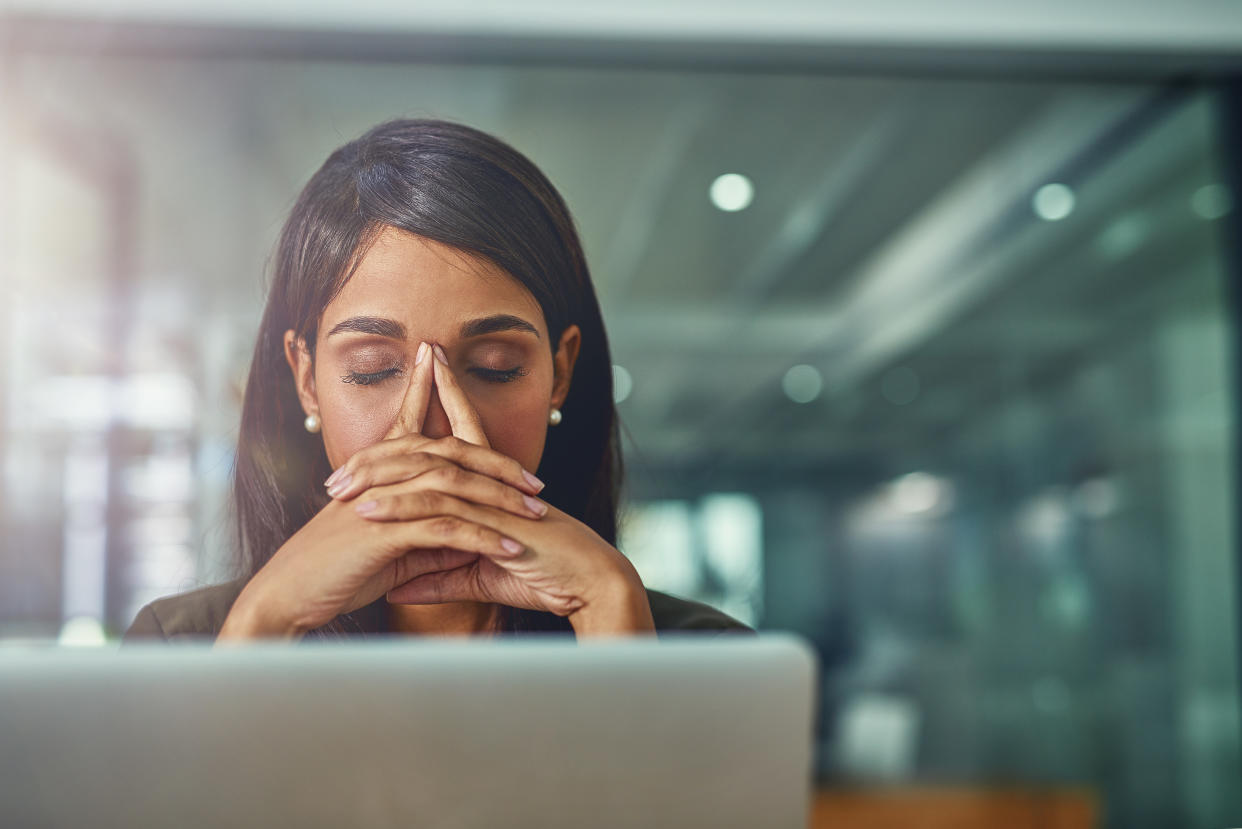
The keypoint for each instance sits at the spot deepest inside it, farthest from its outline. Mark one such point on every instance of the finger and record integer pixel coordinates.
(416, 563)
(461, 414)
(468, 455)
(417, 398)
(485, 461)
(357, 476)
(429, 472)
(434, 519)
(457, 585)
(387, 504)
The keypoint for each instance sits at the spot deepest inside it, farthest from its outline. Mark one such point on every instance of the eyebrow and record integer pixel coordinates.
(384, 327)
(497, 322)
(379, 326)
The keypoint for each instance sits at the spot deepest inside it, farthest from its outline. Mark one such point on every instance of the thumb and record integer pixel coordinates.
(413, 409)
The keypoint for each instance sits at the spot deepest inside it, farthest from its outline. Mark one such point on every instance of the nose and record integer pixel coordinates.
(436, 424)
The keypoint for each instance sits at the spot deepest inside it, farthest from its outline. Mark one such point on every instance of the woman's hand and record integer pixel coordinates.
(564, 567)
(339, 561)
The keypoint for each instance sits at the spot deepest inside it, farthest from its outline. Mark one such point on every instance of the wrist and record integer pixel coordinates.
(619, 607)
(253, 617)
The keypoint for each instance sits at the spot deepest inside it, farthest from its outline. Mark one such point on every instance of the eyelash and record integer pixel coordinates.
(360, 379)
(495, 375)
(490, 375)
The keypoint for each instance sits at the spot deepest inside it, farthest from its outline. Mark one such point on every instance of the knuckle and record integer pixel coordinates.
(449, 476)
(445, 526)
(422, 502)
(408, 443)
(389, 446)
(379, 533)
(409, 504)
(453, 444)
(442, 473)
(433, 501)
(514, 470)
(436, 475)
(369, 456)
(423, 462)
(398, 446)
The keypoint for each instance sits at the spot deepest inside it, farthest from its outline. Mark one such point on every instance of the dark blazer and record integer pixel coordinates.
(200, 614)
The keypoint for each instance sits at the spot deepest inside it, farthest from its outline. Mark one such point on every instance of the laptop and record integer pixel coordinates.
(535, 732)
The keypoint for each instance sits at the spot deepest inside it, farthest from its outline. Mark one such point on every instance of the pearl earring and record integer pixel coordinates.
(554, 417)
(312, 423)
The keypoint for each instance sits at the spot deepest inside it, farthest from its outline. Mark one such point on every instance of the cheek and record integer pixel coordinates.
(353, 418)
(516, 423)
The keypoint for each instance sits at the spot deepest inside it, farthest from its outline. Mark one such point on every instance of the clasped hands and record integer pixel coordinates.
(432, 520)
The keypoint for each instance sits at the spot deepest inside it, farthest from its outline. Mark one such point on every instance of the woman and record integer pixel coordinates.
(430, 339)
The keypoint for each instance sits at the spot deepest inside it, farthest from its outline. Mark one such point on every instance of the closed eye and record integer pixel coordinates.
(366, 379)
(496, 375)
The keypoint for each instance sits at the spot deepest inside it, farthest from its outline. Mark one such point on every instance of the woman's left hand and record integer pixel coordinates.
(565, 568)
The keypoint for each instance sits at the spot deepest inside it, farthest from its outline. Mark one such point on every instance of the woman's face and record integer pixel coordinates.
(408, 290)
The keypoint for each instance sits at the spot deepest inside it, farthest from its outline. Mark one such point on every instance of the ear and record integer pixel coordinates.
(563, 364)
(299, 359)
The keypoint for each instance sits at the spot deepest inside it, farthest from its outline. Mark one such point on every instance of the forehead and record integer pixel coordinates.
(429, 287)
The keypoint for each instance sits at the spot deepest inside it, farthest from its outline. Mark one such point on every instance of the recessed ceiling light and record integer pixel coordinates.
(919, 492)
(1053, 202)
(802, 383)
(732, 192)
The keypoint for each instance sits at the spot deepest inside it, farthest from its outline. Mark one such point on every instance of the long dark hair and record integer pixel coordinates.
(464, 188)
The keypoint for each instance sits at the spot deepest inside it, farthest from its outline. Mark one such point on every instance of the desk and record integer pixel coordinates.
(954, 808)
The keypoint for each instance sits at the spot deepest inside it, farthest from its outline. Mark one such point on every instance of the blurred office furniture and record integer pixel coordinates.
(955, 808)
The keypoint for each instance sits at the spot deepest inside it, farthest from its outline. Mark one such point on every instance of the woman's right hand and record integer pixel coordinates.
(339, 561)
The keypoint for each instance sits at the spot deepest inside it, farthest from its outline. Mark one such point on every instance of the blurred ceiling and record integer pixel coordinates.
(891, 243)
(1102, 25)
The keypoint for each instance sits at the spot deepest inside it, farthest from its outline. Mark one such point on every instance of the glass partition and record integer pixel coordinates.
(935, 372)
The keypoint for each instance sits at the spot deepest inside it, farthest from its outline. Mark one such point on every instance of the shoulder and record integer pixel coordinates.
(201, 613)
(673, 614)
(192, 615)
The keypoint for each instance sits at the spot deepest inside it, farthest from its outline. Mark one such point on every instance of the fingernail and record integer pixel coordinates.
(440, 354)
(536, 506)
(340, 486)
(366, 506)
(421, 355)
(511, 545)
(332, 478)
(532, 480)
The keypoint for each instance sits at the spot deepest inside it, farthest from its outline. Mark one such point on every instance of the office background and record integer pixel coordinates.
(925, 336)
